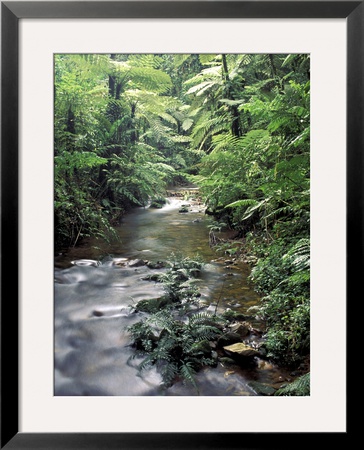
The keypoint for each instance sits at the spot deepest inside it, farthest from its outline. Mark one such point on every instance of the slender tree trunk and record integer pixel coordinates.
(236, 123)
(272, 65)
(133, 133)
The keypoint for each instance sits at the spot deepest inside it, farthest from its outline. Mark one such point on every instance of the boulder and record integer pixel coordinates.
(158, 203)
(152, 277)
(228, 339)
(120, 262)
(152, 305)
(231, 315)
(136, 263)
(241, 350)
(242, 329)
(155, 264)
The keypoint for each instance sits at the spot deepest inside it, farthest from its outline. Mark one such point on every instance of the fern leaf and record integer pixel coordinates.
(188, 373)
(168, 371)
(299, 387)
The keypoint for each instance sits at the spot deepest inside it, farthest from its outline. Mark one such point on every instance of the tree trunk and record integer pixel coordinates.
(235, 123)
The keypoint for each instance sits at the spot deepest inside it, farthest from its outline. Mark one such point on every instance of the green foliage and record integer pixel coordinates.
(288, 336)
(238, 125)
(177, 348)
(255, 177)
(68, 163)
(158, 202)
(283, 275)
(78, 215)
(179, 280)
(299, 255)
(116, 134)
(299, 387)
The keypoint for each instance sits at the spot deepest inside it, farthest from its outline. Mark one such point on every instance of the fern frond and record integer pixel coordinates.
(147, 363)
(299, 255)
(199, 89)
(202, 318)
(179, 59)
(299, 387)
(206, 332)
(169, 372)
(207, 58)
(188, 373)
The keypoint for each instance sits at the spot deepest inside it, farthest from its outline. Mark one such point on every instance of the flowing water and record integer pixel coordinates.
(95, 292)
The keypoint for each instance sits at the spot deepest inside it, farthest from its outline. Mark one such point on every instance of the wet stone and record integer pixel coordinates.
(136, 263)
(241, 350)
(85, 262)
(241, 329)
(155, 264)
(228, 339)
(120, 262)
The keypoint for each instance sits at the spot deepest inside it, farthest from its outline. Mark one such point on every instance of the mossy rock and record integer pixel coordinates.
(155, 264)
(228, 339)
(240, 350)
(158, 203)
(242, 329)
(152, 305)
(153, 277)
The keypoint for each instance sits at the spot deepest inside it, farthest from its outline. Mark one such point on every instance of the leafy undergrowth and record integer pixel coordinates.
(178, 348)
(175, 337)
(178, 337)
(299, 387)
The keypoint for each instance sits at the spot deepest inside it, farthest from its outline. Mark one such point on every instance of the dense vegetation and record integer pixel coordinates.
(238, 126)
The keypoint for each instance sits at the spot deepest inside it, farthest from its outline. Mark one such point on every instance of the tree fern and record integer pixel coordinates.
(200, 88)
(207, 58)
(179, 59)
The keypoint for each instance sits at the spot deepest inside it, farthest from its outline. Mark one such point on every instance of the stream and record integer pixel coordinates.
(94, 294)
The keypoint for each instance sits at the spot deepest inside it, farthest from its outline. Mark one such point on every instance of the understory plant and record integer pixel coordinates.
(173, 337)
(283, 277)
(299, 387)
(178, 348)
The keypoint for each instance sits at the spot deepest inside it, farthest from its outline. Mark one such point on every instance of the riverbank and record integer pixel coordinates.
(94, 306)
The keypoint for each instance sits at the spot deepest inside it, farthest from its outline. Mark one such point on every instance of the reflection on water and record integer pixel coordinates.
(94, 296)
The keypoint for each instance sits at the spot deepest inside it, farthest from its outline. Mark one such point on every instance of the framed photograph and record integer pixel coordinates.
(77, 74)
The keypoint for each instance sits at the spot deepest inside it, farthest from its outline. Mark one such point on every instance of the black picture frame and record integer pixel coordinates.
(11, 13)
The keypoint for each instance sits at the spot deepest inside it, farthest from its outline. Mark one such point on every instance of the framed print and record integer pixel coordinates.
(55, 393)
